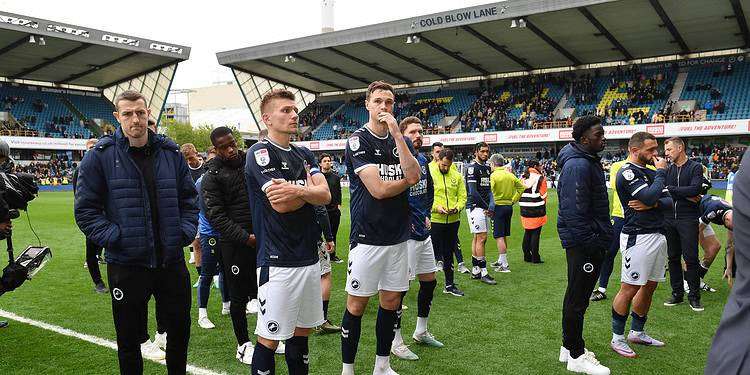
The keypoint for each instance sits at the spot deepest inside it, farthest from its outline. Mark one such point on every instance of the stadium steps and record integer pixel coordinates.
(73, 109)
(679, 85)
(335, 111)
(90, 125)
(558, 111)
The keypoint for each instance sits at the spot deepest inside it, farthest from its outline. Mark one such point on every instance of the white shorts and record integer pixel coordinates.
(375, 268)
(478, 221)
(708, 231)
(289, 297)
(644, 258)
(421, 257)
(325, 259)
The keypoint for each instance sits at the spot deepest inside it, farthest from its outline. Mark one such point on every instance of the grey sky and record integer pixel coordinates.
(220, 25)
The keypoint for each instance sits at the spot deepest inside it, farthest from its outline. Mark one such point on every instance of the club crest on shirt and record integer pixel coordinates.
(262, 157)
(354, 143)
(470, 170)
(395, 151)
(628, 174)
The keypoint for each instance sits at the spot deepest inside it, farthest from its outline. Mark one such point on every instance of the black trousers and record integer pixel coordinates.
(584, 263)
(93, 251)
(444, 238)
(334, 217)
(131, 288)
(682, 241)
(608, 265)
(531, 244)
(238, 262)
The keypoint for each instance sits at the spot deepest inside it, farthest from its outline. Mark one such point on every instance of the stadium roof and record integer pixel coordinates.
(76, 55)
(503, 37)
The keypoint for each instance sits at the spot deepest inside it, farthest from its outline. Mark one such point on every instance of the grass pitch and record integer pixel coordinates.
(511, 328)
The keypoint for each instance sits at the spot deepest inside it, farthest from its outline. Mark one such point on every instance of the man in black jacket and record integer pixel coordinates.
(585, 232)
(135, 197)
(333, 208)
(228, 210)
(684, 181)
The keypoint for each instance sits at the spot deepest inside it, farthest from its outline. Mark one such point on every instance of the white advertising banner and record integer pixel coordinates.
(39, 143)
(680, 129)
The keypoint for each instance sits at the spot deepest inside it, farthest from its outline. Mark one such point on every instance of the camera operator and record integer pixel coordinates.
(12, 276)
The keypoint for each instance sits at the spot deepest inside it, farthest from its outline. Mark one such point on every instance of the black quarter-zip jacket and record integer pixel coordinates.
(684, 182)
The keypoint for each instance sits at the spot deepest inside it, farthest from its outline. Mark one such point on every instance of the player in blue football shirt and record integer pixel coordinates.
(642, 243)
(285, 184)
(421, 253)
(479, 207)
(381, 168)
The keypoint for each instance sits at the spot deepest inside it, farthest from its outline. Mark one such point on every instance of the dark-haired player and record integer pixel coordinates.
(643, 245)
(381, 168)
(479, 210)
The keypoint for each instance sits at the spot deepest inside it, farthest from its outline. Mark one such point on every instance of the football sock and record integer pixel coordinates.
(503, 259)
(424, 297)
(603, 290)
(384, 331)
(618, 323)
(399, 311)
(351, 328)
(421, 325)
(483, 265)
(263, 361)
(638, 322)
(325, 309)
(382, 362)
(297, 355)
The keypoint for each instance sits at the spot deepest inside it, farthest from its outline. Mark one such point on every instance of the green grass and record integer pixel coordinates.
(510, 328)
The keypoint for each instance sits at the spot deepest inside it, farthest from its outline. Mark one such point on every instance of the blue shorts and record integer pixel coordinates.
(501, 221)
(209, 255)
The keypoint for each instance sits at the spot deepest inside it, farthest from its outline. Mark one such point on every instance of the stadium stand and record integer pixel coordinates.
(622, 96)
(430, 107)
(54, 115)
(721, 90)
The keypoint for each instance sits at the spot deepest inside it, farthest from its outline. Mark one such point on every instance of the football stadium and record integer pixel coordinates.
(102, 223)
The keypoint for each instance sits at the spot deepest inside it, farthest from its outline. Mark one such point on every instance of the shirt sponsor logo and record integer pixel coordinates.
(390, 172)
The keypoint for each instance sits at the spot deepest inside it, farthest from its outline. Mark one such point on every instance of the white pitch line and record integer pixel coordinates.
(92, 339)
